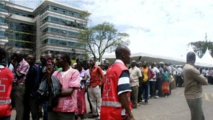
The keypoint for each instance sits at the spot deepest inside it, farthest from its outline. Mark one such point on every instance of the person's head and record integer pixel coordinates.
(49, 56)
(31, 59)
(79, 65)
(18, 56)
(153, 64)
(144, 64)
(138, 64)
(123, 53)
(2, 54)
(92, 62)
(133, 63)
(191, 58)
(63, 60)
(43, 58)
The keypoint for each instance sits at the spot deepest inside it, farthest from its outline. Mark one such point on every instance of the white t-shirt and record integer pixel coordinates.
(156, 71)
(64, 73)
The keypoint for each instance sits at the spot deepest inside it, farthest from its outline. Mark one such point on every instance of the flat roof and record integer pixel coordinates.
(51, 2)
(42, 4)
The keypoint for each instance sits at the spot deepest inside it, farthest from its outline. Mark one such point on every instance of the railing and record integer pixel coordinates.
(58, 45)
(73, 25)
(3, 37)
(59, 34)
(5, 24)
(3, 10)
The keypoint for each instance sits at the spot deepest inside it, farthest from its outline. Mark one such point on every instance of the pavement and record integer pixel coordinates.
(173, 107)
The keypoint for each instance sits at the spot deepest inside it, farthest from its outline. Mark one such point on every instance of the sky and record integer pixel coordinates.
(161, 27)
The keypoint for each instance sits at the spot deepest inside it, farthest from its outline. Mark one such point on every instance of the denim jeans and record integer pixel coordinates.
(45, 109)
(145, 90)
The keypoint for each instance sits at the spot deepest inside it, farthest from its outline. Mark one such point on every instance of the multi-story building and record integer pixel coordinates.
(51, 27)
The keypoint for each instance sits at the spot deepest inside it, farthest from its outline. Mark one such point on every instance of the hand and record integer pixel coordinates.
(131, 118)
(49, 69)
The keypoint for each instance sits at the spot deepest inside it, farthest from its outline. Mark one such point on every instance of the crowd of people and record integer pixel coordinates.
(58, 88)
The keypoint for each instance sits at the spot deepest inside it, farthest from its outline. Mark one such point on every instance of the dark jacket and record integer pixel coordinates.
(32, 80)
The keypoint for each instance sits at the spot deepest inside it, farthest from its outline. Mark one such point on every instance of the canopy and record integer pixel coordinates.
(206, 60)
(148, 57)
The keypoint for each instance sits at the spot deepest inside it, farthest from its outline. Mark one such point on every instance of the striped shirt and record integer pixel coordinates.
(123, 81)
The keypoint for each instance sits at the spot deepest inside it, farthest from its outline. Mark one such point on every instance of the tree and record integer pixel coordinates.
(101, 38)
(201, 46)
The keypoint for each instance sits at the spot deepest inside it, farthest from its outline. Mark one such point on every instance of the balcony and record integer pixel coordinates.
(60, 35)
(53, 24)
(3, 40)
(61, 48)
(3, 25)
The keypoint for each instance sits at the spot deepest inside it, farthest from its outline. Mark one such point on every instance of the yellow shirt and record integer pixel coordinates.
(145, 74)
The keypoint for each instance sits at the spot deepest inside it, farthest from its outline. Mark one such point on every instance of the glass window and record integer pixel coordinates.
(2, 33)
(63, 43)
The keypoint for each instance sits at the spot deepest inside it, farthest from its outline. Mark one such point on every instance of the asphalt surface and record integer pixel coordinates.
(173, 107)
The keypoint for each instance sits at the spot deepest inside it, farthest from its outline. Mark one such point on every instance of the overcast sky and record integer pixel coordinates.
(162, 27)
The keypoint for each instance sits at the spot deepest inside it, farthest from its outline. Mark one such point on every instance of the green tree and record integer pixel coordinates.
(201, 46)
(101, 38)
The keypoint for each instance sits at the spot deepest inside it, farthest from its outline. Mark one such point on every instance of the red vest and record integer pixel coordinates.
(6, 80)
(111, 108)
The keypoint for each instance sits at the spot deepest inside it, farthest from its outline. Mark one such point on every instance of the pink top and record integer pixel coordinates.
(69, 79)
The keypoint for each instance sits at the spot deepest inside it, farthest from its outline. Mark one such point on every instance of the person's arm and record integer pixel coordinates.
(85, 77)
(125, 104)
(123, 88)
(139, 75)
(37, 76)
(199, 77)
(23, 72)
(74, 83)
(102, 76)
(67, 92)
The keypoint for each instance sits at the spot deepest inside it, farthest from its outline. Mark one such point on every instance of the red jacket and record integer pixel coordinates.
(111, 107)
(6, 80)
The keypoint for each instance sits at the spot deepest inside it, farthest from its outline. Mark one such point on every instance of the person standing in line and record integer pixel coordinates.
(135, 77)
(86, 67)
(152, 81)
(21, 68)
(6, 81)
(81, 103)
(139, 65)
(42, 73)
(69, 78)
(147, 75)
(116, 104)
(165, 84)
(94, 90)
(193, 81)
(31, 87)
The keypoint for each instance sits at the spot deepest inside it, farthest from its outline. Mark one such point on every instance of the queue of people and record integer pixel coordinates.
(59, 89)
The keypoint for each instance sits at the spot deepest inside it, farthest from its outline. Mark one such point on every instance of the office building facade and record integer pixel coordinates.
(51, 27)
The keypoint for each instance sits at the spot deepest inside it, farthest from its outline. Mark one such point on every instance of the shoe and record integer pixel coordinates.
(98, 118)
(156, 97)
(134, 106)
(93, 116)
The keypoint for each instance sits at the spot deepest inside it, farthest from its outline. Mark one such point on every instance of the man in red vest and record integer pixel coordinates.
(116, 104)
(6, 80)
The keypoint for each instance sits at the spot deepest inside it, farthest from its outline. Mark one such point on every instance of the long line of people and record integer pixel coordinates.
(60, 89)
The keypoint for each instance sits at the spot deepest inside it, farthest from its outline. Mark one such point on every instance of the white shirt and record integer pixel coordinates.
(156, 71)
(135, 73)
(64, 73)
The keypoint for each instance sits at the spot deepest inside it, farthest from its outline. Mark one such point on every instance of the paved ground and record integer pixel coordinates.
(173, 107)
